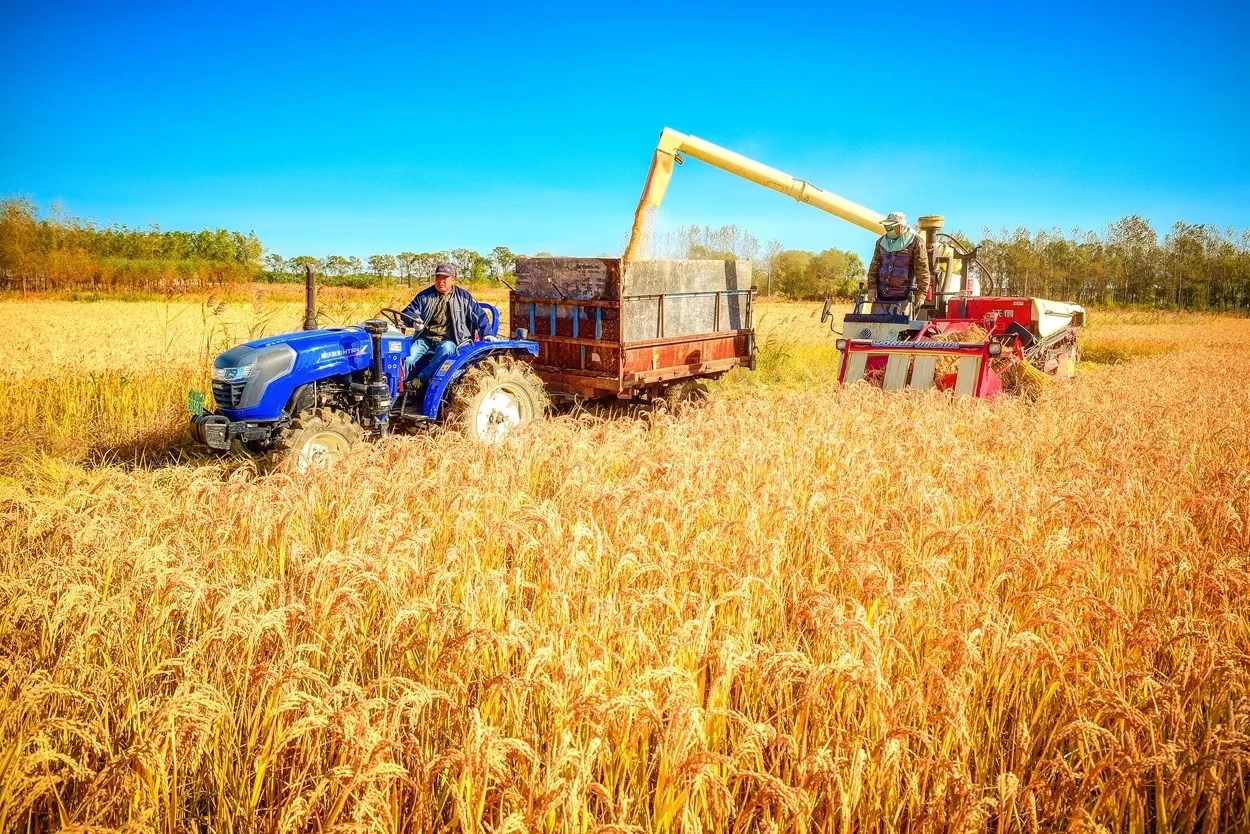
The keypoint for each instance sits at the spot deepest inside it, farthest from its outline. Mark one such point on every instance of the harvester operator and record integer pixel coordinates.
(443, 316)
(899, 271)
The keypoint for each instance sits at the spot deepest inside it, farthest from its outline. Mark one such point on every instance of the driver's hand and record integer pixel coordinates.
(418, 324)
(490, 338)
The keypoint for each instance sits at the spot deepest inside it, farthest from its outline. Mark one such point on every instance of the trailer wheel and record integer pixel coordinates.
(687, 393)
(496, 398)
(317, 438)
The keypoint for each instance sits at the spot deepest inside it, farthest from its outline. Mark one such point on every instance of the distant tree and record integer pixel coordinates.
(19, 232)
(427, 262)
(337, 266)
(382, 266)
(247, 248)
(463, 259)
(300, 261)
(834, 272)
(705, 242)
(1186, 261)
(749, 247)
(792, 274)
(699, 252)
(503, 258)
(771, 250)
(407, 263)
(480, 267)
(1132, 244)
(275, 263)
(354, 266)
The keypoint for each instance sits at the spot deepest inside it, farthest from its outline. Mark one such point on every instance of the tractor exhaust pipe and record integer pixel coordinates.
(378, 391)
(376, 328)
(310, 298)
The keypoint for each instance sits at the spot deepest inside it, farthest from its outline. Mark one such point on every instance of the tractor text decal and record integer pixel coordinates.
(335, 354)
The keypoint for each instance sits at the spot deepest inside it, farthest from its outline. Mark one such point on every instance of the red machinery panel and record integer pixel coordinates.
(1019, 310)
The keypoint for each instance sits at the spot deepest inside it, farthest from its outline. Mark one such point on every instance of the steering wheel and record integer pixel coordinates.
(393, 316)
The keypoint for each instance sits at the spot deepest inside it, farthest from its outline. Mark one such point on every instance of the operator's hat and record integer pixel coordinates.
(445, 269)
(894, 218)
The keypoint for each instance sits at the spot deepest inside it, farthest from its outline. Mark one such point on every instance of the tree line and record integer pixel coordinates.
(59, 252)
(1192, 265)
(405, 267)
(1199, 266)
(794, 273)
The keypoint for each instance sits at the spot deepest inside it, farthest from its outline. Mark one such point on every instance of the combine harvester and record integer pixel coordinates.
(957, 340)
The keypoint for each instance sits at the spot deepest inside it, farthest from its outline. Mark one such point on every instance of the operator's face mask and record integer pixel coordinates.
(892, 233)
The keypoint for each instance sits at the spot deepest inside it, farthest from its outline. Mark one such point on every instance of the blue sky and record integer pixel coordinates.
(329, 128)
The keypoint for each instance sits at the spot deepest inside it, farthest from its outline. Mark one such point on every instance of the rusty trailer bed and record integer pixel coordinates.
(666, 321)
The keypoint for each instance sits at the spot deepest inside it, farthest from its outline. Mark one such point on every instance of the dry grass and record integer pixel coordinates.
(798, 608)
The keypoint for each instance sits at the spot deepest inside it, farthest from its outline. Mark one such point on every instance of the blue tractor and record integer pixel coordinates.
(303, 399)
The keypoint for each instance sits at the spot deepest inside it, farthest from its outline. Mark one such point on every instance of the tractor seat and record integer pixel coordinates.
(492, 329)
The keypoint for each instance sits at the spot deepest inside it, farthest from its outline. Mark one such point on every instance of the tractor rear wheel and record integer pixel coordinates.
(316, 438)
(496, 398)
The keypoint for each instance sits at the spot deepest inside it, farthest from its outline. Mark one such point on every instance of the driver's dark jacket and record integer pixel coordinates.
(895, 276)
(468, 318)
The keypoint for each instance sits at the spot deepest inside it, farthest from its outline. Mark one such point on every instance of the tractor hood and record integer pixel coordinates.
(348, 339)
(347, 347)
(332, 349)
(256, 380)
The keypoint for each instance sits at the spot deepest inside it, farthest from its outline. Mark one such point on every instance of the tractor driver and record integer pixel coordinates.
(443, 316)
(899, 271)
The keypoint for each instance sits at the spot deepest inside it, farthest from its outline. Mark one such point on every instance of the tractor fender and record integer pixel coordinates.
(466, 357)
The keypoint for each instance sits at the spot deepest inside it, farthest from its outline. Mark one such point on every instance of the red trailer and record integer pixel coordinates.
(601, 334)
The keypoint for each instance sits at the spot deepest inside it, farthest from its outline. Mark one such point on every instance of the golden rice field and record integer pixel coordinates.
(797, 608)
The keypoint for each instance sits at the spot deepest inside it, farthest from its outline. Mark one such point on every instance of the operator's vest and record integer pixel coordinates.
(895, 275)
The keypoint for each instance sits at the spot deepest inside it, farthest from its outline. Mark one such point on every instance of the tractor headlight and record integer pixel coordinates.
(996, 348)
(840, 344)
(233, 374)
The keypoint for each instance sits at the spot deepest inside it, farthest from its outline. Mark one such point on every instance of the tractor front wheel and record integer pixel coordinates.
(496, 398)
(314, 439)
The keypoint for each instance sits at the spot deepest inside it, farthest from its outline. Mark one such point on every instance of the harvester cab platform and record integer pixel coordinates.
(892, 324)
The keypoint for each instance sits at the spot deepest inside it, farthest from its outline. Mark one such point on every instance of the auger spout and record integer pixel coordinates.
(672, 143)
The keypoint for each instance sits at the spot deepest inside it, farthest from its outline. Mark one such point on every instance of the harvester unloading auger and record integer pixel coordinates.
(957, 340)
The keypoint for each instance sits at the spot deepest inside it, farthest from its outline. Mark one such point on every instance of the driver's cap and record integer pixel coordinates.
(445, 269)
